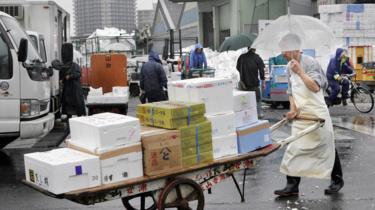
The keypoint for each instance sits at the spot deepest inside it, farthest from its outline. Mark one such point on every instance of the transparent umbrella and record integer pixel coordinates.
(313, 33)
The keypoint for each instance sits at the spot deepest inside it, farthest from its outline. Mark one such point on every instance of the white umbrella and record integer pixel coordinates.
(313, 33)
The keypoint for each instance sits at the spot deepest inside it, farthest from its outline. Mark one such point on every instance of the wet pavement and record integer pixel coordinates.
(355, 142)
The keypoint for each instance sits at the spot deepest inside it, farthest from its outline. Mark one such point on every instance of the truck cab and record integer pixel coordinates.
(24, 85)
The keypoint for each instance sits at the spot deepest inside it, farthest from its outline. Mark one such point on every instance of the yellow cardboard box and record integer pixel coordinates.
(171, 110)
(193, 160)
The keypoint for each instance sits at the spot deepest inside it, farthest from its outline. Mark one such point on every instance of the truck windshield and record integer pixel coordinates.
(17, 33)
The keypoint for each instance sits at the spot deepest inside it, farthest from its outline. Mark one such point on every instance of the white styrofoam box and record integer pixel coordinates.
(108, 98)
(62, 170)
(222, 124)
(96, 91)
(118, 165)
(104, 131)
(224, 146)
(246, 117)
(213, 92)
(175, 76)
(120, 91)
(243, 100)
(332, 8)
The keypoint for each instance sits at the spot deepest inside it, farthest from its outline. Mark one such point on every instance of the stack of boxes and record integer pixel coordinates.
(119, 95)
(216, 94)
(104, 147)
(252, 133)
(352, 24)
(188, 141)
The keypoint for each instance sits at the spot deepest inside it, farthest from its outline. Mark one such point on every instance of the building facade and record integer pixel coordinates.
(145, 17)
(93, 14)
(170, 18)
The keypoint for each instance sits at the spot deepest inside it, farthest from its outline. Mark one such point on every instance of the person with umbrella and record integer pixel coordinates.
(313, 155)
(251, 67)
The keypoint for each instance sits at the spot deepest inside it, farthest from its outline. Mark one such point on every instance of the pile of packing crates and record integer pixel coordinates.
(203, 121)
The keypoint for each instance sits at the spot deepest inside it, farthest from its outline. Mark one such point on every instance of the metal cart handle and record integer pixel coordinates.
(318, 123)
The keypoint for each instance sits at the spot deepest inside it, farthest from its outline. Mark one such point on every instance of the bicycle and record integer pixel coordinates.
(360, 96)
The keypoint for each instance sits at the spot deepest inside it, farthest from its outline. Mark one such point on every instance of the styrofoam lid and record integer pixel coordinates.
(60, 156)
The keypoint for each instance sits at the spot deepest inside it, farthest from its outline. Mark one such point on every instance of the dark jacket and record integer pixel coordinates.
(153, 78)
(197, 60)
(335, 66)
(72, 95)
(248, 65)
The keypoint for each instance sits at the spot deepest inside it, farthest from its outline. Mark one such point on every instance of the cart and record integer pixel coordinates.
(176, 189)
(198, 72)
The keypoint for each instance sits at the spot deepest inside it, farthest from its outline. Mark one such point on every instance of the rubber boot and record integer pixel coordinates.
(291, 188)
(344, 103)
(336, 184)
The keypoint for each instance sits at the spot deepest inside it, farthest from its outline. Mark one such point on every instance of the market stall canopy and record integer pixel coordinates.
(237, 42)
(314, 34)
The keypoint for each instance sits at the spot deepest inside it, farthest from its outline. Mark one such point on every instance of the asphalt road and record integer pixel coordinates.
(355, 142)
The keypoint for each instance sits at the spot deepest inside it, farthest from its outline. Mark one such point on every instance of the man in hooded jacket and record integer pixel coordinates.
(153, 79)
(72, 99)
(337, 66)
(197, 57)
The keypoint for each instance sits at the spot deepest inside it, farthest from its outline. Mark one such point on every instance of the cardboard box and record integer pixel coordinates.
(253, 137)
(169, 123)
(171, 110)
(197, 134)
(246, 117)
(62, 170)
(104, 131)
(222, 124)
(118, 165)
(243, 100)
(205, 157)
(161, 151)
(224, 146)
(213, 92)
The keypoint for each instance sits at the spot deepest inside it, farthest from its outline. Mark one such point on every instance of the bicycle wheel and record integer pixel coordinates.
(362, 99)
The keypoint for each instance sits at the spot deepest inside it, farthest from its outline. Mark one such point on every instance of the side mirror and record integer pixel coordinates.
(22, 50)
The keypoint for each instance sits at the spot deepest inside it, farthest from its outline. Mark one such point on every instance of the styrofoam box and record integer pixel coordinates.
(224, 146)
(120, 91)
(243, 100)
(96, 92)
(222, 124)
(120, 164)
(332, 8)
(215, 93)
(62, 170)
(104, 131)
(108, 98)
(246, 117)
(122, 167)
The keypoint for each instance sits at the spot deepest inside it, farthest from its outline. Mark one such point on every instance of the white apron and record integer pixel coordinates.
(312, 155)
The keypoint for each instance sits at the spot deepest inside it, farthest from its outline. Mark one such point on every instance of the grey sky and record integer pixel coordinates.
(68, 6)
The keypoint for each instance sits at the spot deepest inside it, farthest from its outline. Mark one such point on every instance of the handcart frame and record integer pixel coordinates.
(176, 189)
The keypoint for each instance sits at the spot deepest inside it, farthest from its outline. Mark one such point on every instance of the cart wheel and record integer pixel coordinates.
(178, 193)
(127, 202)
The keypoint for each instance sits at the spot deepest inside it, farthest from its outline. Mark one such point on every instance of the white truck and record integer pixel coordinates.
(46, 20)
(25, 85)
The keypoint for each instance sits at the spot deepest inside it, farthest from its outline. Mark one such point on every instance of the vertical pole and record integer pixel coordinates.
(180, 41)
(171, 44)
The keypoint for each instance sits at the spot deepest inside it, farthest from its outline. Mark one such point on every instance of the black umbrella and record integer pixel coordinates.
(237, 42)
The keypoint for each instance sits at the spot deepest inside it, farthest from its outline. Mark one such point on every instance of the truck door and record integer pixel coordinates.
(9, 89)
